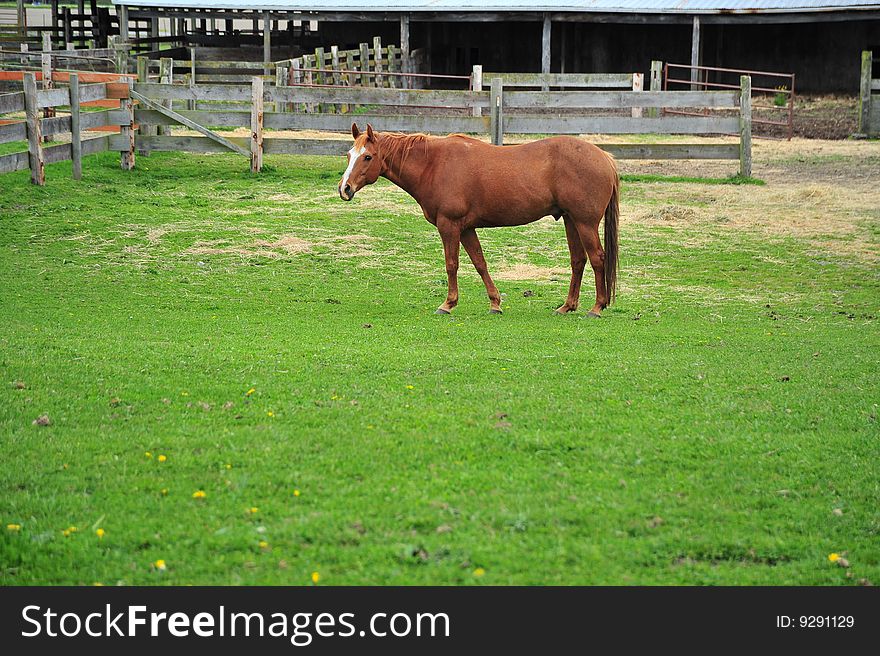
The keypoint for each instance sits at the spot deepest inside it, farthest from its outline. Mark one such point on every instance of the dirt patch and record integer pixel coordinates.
(525, 271)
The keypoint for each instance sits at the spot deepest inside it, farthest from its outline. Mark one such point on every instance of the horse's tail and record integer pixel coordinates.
(612, 214)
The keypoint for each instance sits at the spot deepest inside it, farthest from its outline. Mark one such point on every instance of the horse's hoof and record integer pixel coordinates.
(593, 315)
(493, 311)
(442, 311)
(561, 312)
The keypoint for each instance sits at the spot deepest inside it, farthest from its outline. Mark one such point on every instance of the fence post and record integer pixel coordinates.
(365, 64)
(35, 145)
(392, 67)
(297, 79)
(47, 42)
(75, 136)
(256, 124)
(142, 76)
(865, 126)
(656, 85)
(191, 104)
(745, 126)
(319, 64)
(638, 85)
(377, 56)
(127, 131)
(496, 112)
(477, 85)
(46, 70)
(24, 58)
(281, 77)
(166, 76)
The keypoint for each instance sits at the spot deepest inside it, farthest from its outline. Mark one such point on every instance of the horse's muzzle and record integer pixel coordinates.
(346, 193)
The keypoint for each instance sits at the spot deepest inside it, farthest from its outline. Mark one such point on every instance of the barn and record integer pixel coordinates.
(818, 40)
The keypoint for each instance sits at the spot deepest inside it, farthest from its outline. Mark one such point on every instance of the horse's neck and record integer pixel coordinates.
(406, 168)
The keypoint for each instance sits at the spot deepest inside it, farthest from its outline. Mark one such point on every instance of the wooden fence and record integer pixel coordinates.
(869, 98)
(368, 66)
(507, 112)
(33, 129)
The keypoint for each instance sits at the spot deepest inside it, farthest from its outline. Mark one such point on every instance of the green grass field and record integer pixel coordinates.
(189, 327)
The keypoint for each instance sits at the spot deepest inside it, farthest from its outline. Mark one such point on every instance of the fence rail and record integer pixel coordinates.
(869, 101)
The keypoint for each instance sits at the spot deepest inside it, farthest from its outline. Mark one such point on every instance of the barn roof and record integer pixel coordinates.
(459, 6)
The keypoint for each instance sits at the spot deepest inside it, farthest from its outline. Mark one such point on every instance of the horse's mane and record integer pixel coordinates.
(398, 146)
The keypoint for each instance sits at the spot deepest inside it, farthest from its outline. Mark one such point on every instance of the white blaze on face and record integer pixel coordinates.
(352, 158)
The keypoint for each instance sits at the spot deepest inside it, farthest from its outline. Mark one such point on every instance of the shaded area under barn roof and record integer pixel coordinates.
(465, 6)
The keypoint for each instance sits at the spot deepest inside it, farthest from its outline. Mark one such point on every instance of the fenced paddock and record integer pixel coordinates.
(869, 97)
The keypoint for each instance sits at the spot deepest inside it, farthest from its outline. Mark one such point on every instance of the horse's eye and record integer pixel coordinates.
(368, 157)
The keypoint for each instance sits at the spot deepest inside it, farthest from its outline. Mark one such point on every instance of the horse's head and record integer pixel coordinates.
(364, 163)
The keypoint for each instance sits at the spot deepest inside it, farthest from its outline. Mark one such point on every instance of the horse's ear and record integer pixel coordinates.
(355, 132)
(370, 136)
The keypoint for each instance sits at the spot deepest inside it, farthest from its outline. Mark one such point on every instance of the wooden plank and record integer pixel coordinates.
(365, 64)
(386, 123)
(620, 99)
(368, 96)
(745, 126)
(338, 147)
(256, 125)
(13, 162)
(34, 135)
(13, 132)
(192, 125)
(237, 92)
(117, 90)
(224, 118)
(11, 102)
(874, 119)
(875, 85)
(166, 77)
(695, 53)
(620, 125)
(572, 80)
(52, 97)
(672, 151)
(638, 87)
(75, 127)
(378, 80)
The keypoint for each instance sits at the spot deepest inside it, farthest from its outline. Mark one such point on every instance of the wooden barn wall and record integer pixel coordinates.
(824, 56)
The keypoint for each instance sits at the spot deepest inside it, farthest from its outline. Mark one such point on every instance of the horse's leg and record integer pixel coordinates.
(589, 234)
(471, 243)
(578, 262)
(450, 233)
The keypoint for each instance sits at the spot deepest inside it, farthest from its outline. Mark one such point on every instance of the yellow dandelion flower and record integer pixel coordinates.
(296, 493)
(250, 391)
(98, 584)
(410, 387)
(184, 393)
(164, 491)
(72, 529)
(479, 572)
(254, 510)
(228, 466)
(270, 413)
(833, 557)
(264, 544)
(199, 494)
(160, 565)
(13, 527)
(100, 532)
(148, 454)
(162, 458)
(315, 577)
(65, 533)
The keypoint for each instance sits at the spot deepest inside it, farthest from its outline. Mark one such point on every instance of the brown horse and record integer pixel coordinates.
(463, 184)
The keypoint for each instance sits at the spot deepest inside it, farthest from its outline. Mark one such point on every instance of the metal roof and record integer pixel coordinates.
(605, 6)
